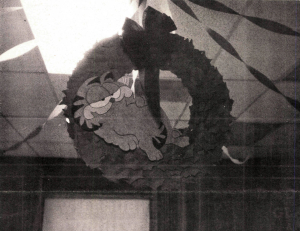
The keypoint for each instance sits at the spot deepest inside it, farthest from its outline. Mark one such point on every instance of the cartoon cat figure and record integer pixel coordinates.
(113, 112)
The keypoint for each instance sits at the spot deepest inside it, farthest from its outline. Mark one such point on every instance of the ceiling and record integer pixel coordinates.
(266, 124)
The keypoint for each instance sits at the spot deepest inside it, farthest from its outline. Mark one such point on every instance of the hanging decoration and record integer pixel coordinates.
(114, 130)
(112, 112)
(222, 42)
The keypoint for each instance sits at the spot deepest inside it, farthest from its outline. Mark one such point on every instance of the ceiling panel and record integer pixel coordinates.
(8, 132)
(52, 141)
(272, 107)
(14, 30)
(54, 130)
(270, 53)
(26, 95)
(29, 62)
(191, 28)
(243, 93)
(59, 83)
(10, 3)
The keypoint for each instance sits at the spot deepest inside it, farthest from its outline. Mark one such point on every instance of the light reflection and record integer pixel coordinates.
(65, 29)
(18, 50)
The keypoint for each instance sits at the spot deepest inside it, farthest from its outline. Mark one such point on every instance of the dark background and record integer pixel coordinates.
(257, 196)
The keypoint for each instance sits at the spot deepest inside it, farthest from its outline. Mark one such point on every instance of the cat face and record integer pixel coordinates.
(96, 97)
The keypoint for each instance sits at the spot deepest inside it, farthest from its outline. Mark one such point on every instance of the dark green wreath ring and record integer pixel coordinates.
(209, 125)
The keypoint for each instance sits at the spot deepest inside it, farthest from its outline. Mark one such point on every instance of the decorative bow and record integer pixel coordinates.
(149, 49)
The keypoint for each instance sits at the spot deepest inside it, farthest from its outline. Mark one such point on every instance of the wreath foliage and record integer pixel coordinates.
(210, 117)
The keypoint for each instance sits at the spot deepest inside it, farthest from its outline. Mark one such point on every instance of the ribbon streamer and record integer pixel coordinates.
(233, 160)
(183, 6)
(263, 23)
(257, 74)
(56, 111)
(31, 135)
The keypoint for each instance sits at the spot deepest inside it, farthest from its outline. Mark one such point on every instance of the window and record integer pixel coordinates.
(64, 214)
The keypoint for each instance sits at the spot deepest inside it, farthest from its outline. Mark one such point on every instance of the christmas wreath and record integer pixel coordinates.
(103, 69)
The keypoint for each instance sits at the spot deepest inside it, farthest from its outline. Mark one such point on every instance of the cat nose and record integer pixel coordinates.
(112, 100)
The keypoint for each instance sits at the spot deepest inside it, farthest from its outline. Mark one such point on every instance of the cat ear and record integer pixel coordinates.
(107, 77)
(94, 80)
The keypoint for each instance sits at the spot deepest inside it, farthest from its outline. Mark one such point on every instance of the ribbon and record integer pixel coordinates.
(55, 112)
(220, 7)
(263, 23)
(146, 47)
(257, 74)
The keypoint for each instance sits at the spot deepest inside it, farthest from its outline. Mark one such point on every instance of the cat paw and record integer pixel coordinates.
(154, 155)
(128, 142)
